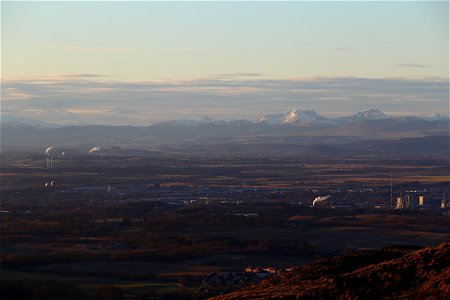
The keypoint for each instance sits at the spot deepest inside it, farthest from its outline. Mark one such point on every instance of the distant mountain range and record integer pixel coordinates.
(17, 121)
(297, 117)
(295, 131)
(300, 117)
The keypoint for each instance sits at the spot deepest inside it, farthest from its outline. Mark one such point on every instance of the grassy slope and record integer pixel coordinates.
(391, 273)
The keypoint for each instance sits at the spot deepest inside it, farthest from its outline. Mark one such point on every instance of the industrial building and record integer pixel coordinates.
(414, 199)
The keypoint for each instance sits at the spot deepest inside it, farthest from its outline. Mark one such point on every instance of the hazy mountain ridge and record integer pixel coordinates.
(295, 116)
(392, 273)
(298, 132)
(17, 121)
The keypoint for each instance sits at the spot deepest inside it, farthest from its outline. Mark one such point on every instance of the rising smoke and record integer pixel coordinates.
(48, 150)
(320, 199)
(95, 149)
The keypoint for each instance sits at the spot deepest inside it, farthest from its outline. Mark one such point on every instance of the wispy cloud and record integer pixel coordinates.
(101, 100)
(237, 75)
(89, 110)
(414, 66)
(310, 43)
(122, 49)
(343, 49)
(96, 49)
(81, 75)
(13, 93)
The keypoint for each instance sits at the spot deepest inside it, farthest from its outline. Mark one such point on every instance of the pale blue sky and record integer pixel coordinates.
(191, 42)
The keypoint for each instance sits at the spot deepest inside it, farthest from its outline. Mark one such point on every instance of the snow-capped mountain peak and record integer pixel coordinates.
(291, 116)
(371, 114)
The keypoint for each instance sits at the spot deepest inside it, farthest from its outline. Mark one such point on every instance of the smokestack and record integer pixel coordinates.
(48, 153)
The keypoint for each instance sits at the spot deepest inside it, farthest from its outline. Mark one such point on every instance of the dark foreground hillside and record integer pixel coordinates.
(392, 273)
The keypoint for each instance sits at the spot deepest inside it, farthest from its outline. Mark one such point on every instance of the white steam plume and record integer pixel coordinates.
(95, 149)
(47, 151)
(320, 199)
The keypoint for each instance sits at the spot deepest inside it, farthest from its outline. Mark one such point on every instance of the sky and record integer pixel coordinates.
(144, 62)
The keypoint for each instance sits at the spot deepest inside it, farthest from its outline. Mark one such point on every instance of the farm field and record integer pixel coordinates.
(142, 227)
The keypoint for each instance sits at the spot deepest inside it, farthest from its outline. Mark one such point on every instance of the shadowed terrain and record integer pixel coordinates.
(391, 273)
